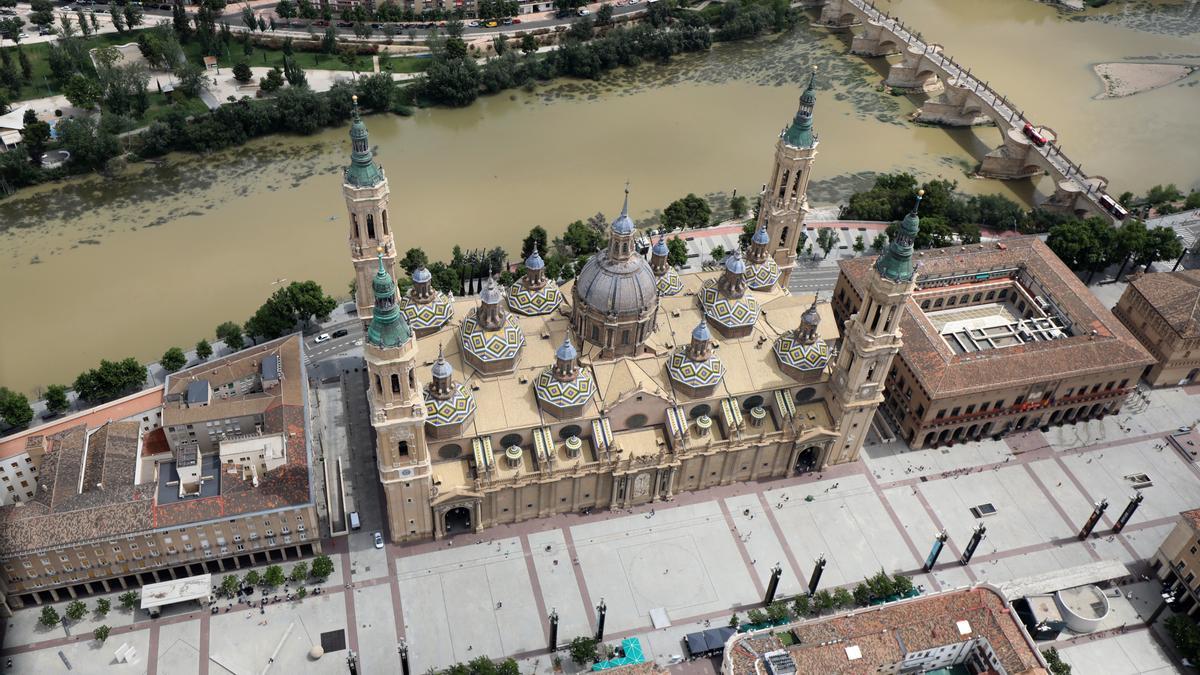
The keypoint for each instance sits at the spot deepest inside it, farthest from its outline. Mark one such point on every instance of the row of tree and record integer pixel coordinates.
(1092, 245)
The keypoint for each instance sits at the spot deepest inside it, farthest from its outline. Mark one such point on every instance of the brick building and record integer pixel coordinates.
(1177, 562)
(1163, 311)
(998, 337)
(116, 506)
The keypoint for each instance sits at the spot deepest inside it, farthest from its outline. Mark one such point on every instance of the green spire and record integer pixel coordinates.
(896, 262)
(388, 327)
(800, 133)
(362, 171)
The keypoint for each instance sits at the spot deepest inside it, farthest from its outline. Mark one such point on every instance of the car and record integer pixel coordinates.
(341, 332)
(472, 24)
(507, 21)
(491, 24)
(323, 337)
(516, 20)
(583, 11)
(562, 14)
(45, 31)
(378, 540)
(1033, 135)
(23, 35)
(345, 24)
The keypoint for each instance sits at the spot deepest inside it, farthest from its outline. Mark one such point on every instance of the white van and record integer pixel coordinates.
(354, 522)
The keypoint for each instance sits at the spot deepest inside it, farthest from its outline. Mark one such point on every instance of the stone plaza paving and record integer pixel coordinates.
(699, 558)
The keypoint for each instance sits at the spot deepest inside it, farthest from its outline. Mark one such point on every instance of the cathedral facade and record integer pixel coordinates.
(623, 386)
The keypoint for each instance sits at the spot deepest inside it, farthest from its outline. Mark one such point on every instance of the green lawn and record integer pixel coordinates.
(262, 56)
(406, 64)
(40, 83)
(159, 106)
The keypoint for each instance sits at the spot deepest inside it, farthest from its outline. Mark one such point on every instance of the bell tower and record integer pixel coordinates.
(366, 191)
(397, 412)
(784, 203)
(871, 341)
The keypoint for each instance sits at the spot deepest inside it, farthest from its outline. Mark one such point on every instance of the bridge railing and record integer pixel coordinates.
(1052, 152)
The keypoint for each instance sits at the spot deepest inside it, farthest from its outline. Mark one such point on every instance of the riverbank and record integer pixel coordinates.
(1127, 79)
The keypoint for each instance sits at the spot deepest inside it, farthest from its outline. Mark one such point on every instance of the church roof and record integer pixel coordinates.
(362, 171)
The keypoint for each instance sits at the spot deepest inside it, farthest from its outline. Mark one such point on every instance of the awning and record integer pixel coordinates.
(482, 447)
(732, 412)
(677, 422)
(784, 403)
(708, 642)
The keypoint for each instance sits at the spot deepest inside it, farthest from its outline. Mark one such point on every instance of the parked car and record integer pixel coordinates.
(583, 11)
(345, 24)
(472, 24)
(516, 20)
(323, 337)
(491, 24)
(378, 540)
(341, 332)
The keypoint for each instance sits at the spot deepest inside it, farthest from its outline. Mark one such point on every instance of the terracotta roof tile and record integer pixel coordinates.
(943, 373)
(1176, 298)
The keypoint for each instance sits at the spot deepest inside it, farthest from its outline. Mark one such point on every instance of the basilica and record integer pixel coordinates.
(626, 385)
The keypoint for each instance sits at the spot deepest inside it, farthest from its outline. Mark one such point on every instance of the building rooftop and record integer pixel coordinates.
(87, 488)
(130, 406)
(1192, 517)
(863, 640)
(1097, 341)
(1176, 298)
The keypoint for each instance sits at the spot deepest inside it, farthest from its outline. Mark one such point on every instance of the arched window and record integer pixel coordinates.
(953, 300)
(991, 295)
(385, 230)
(412, 379)
(783, 183)
(924, 304)
(783, 235)
(378, 384)
(395, 383)
(796, 184)
(977, 298)
(370, 226)
(354, 221)
(403, 448)
(937, 303)
(624, 337)
(964, 299)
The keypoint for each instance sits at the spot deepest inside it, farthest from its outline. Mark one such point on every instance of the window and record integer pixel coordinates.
(403, 449)
(395, 383)
(510, 440)
(385, 229)
(940, 414)
(636, 421)
(370, 226)
(354, 221)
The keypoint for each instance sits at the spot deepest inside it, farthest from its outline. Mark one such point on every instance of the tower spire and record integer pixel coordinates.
(896, 262)
(388, 327)
(620, 244)
(800, 133)
(362, 172)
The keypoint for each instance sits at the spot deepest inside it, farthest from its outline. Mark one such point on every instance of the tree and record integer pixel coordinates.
(677, 251)
(84, 27)
(1192, 201)
(604, 14)
(1160, 243)
(801, 606)
(189, 79)
(717, 253)
(901, 584)
(756, 617)
(203, 350)
(738, 205)
(133, 15)
(56, 398)
(242, 73)
(14, 408)
(83, 92)
(11, 28)
(1085, 246)
(111, 380)
(286, 9)
(734, 622)
(42, 12)
(322, 567)
(823, 600)
(329, 41)
(778, 611)
(101, 633)
(94, 22)
(252, 578)
(879, 242)
(230, 585)
(273, 576)
(272, 82)
(537, 236)
(180, 21)
(49, 617)
(248, 18)
(826, 240)
(26, 69)
(299, 572)
(582, 238)
(414, 258)
(843, 598)
(1057, 666)
(583, 650)
(862, 595)
(89, 144)
(128, 599)
(76, 610)
(859, 244)
(1185, 634)
(690, 211)
(118, 19)
(293, 73)
(103, 607)
(528, 43)
(173, 359)
(451, 81)
(375, 91)
(231, 334)
(1163, 194)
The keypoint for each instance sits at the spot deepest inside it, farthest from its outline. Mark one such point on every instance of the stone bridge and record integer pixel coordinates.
(958, 98)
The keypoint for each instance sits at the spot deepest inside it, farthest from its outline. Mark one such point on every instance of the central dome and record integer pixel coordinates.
(616, 293)
(622, 288)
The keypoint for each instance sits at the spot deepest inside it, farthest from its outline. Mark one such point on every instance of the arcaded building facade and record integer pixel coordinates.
(998, 338)
(119, 505)
(628, 384)
(1163, 311)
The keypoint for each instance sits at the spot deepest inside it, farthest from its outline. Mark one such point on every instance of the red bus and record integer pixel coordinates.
(1033, 135)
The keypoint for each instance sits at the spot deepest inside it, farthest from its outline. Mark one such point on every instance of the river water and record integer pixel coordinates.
(107, 268)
